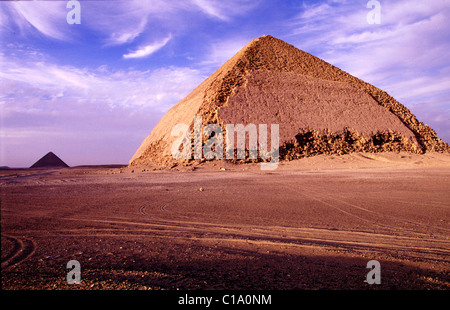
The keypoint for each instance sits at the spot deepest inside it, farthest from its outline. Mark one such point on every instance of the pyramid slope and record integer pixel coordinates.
(292, 100)
(270, 81)
(50, 160)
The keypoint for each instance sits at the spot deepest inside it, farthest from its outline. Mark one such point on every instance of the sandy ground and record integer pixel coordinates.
(313, 223)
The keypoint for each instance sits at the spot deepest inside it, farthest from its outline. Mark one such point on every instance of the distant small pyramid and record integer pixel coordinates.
(320, 109)
(50, 160)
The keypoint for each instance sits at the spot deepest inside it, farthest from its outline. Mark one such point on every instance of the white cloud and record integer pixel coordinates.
(47, 17)
(42, 86)
(148, 49)
(119, 22)
(210, 8)
(123, 35)
(225, 10)
(315, 11)
(222, 50)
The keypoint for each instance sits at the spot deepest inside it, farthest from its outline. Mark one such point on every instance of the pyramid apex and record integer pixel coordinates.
(49, 160)
(262, 39)
(266, 36)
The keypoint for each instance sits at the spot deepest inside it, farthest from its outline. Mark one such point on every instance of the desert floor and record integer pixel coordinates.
(313, 223)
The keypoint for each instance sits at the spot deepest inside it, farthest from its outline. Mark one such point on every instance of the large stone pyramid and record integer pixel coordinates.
(319, 108)
(49, 160)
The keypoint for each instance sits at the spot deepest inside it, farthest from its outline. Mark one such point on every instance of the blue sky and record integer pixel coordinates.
(91, 92)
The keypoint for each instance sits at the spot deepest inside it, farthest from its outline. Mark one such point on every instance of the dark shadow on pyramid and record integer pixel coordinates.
(50, 160)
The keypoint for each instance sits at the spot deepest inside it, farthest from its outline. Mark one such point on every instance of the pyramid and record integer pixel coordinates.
(50, 160)
(320, 109)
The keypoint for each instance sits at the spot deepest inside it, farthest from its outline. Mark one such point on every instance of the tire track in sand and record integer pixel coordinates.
(322, 198)
(162, 208)
(158, 220)
(22, 249)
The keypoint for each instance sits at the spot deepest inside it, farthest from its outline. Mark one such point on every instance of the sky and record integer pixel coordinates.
(92, 91)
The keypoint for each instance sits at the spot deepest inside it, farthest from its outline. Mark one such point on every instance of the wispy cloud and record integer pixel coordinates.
(210, 8)
(36, 84)
(225, 10)
(46, 17)
(123, 35)
(120, 22)
(148, 49)
(222, 50)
